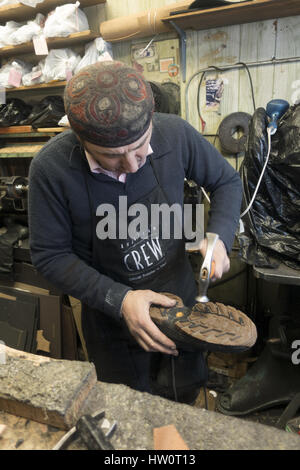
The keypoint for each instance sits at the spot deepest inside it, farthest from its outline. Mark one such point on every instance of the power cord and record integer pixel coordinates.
(261, 175)
(251, 83)
(203, 123)
(173, 379)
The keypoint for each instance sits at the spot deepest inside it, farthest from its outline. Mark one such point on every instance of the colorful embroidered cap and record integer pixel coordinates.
(109, 104)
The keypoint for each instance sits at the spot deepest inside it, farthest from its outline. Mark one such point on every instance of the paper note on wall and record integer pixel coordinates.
(214, 92)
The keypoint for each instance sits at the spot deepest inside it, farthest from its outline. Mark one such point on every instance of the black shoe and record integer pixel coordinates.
(271, 381)
(207, 326)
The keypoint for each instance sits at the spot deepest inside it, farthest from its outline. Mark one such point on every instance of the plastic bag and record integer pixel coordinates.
(272, 226)
(35, 76)
(28, 31)
(64, 122)
(59, 64)
(11, 74)
(65, 20)
(6, 2)
(46, 113)
(6, 32)
(30, 3)
(95, 51)
(13, 112)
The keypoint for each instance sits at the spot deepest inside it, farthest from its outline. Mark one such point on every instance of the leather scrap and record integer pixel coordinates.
(168, 438)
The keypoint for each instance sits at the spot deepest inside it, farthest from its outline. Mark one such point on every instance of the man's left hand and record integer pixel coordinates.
(220, 257)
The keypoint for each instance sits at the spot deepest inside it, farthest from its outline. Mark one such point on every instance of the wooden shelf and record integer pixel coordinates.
(20, 151)
(71, 40)
(14, 131)
(40, 86)
(20, 12)
(257, 10)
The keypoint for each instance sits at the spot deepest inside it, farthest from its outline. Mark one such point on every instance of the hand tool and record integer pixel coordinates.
(88, 429)
(207, 268)
(275, 110)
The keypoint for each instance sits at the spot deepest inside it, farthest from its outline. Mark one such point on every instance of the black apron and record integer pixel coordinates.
(144, 263)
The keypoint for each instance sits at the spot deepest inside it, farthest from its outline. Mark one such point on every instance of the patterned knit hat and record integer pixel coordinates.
(109, 104)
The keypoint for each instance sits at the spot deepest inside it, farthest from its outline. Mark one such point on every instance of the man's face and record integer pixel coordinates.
(127, 159)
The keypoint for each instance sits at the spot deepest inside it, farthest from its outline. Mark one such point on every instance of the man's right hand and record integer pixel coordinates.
(135, 311)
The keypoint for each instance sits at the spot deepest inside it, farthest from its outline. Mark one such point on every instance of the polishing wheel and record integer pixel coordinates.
(233, 123)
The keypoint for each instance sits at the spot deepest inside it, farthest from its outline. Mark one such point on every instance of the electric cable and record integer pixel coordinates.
(251, 83)
(203, 123)
(205, 397)
(219, 69)
(174, 379)
(205, 357)
(261, 175)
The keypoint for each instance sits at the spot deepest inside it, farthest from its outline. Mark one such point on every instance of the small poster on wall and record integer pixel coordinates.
(214, 92)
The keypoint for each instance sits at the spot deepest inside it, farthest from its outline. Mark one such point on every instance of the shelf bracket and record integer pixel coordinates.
(182, 38)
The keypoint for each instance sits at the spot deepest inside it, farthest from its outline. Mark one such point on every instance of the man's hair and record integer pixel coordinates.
(109, 104)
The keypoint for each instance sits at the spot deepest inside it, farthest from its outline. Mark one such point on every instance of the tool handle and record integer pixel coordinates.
(212, 271)
(92, 435)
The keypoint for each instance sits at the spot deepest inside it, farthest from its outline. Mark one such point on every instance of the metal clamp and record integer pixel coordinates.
(88, 429)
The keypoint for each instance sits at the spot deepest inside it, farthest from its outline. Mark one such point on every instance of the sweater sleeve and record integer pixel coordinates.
(209, 169)
(51, 249)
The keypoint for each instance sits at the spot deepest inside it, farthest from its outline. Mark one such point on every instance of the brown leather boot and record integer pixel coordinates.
(207, 326)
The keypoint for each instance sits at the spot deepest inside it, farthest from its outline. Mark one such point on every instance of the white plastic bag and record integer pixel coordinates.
(28, 31)
(6, 2)
(35, 76)
(30, 3)
(65, 20)
(12, 73)
(95, 51)
(60, 64)
(6, 32)
(64, 122)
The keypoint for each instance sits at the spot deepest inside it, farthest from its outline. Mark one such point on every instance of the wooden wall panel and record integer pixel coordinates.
(248, 43)
(287, 76)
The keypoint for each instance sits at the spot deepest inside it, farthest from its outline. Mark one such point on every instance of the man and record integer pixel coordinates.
(118, 147)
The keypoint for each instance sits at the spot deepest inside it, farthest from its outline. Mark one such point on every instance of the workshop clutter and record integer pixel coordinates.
(61, 22)
(59, 64)
(95, 51)
(45, 113)
(30, 3)
(11, 73)
(13, 112)
(141, 24)
(46, 325)
(65, 20)
(14, 33)
(272, 232)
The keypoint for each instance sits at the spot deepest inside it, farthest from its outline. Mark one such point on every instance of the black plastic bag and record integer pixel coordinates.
(272, 225)
(13, 112)
(46, 113)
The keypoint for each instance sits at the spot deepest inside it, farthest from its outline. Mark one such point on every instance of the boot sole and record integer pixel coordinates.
(210, 327)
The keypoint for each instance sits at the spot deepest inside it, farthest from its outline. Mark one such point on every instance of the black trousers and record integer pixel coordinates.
(118, 358)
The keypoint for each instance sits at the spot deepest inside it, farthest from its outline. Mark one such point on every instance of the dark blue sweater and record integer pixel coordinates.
(59, 212)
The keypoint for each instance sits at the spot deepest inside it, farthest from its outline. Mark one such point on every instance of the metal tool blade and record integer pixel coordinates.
(205, 270)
